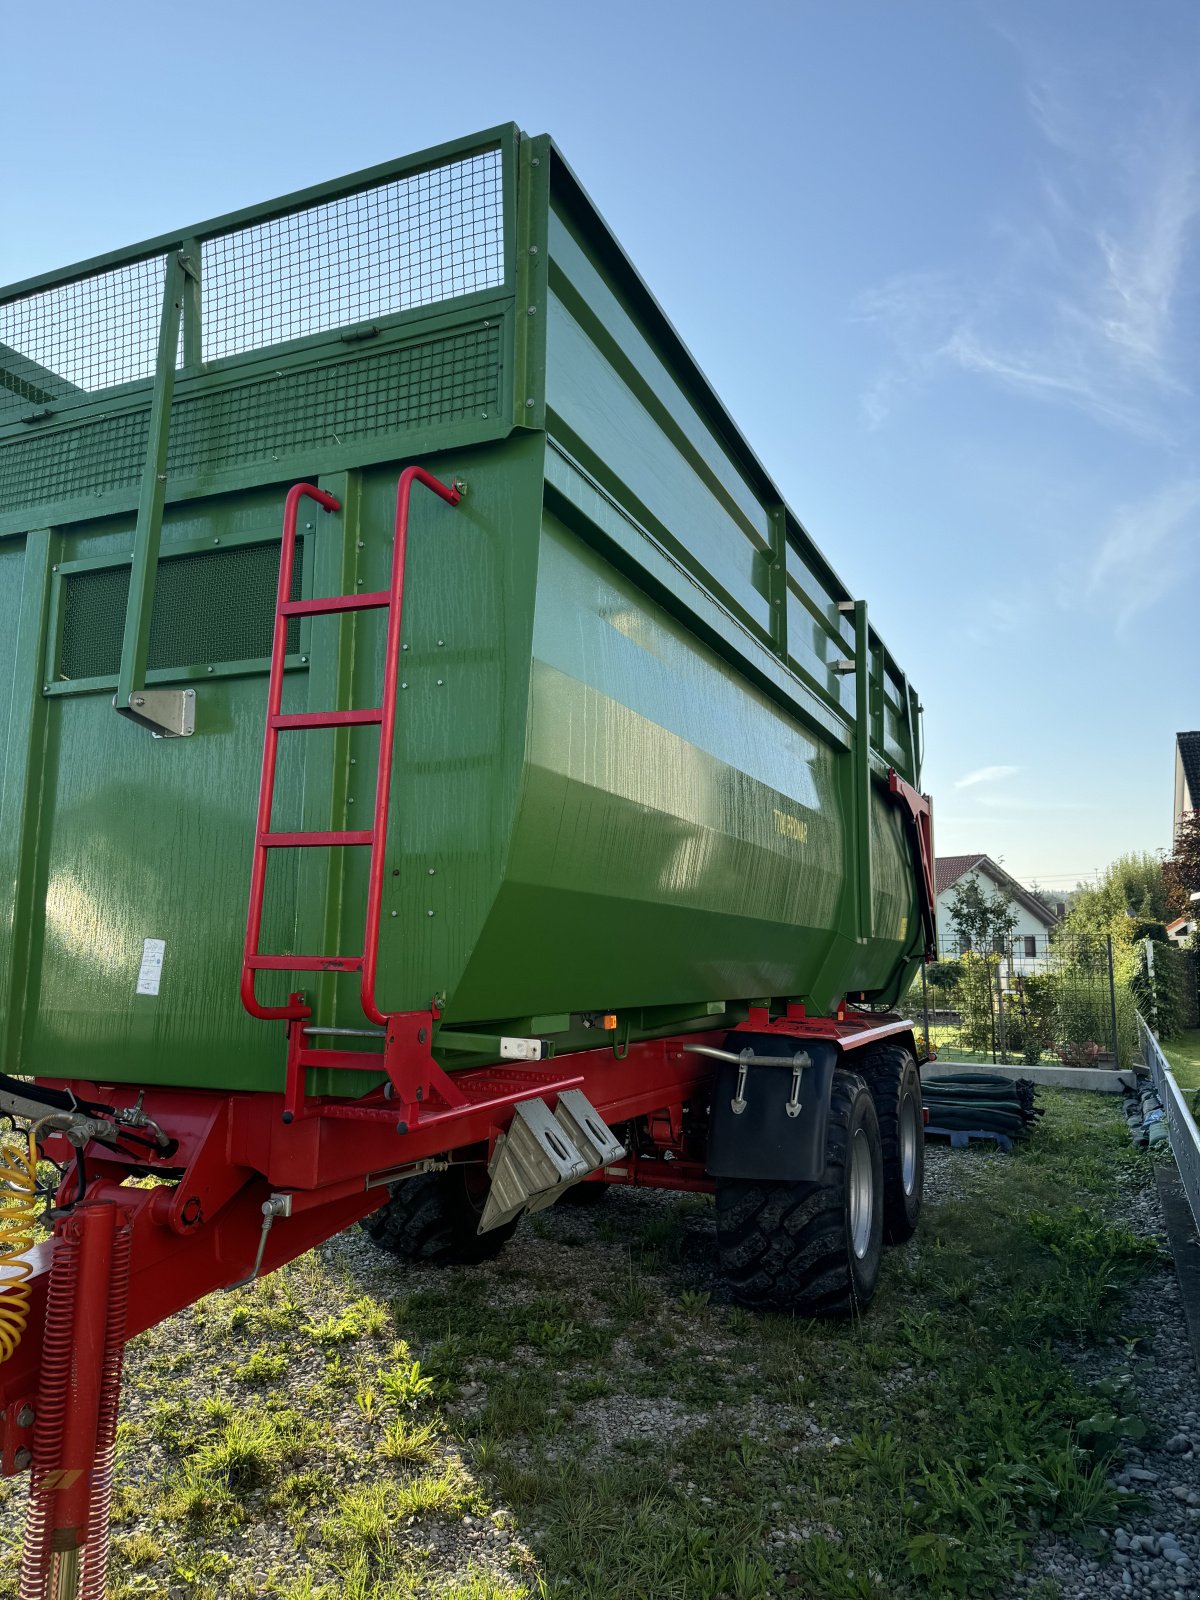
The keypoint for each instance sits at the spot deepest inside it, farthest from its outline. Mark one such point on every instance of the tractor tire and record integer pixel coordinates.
(894, 1080)
(432, 1220)
(812, 1249)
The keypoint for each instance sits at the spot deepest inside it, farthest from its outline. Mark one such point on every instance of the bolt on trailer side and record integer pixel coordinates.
(643, 735)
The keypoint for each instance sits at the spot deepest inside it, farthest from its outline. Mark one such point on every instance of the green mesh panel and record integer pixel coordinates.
(93, 622)
(439, 381)
(217, 605)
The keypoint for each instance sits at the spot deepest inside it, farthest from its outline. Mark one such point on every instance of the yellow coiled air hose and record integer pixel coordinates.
(18, 1212)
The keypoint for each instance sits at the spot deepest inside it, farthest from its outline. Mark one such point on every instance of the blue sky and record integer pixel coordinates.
(938, 259)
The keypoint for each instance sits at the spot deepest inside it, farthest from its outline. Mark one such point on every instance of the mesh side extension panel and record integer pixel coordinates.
(413, 242)
(77, 338)
(213, 606)
(434, 383)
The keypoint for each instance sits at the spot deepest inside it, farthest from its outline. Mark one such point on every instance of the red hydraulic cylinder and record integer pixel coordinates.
(67, 1537)
(95, 1223)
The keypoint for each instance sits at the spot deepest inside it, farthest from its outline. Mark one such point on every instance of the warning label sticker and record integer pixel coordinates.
(150, 972)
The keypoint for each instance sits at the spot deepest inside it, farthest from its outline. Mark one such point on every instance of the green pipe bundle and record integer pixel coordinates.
(983, 1102)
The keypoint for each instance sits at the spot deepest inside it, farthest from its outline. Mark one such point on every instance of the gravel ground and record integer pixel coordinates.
(1155, 1549)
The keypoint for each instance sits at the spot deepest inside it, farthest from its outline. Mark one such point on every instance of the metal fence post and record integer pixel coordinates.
(1112, 1003)
(925, 1006)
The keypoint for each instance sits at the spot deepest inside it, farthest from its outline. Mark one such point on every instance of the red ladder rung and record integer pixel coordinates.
(330, 604)
(305, 963)
(302, 841)
(325, 719)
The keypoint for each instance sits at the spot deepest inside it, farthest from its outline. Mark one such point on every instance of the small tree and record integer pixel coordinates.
(1182, 868)
(983, 922)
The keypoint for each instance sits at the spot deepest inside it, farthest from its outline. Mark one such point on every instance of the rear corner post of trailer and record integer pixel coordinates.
(442, 776)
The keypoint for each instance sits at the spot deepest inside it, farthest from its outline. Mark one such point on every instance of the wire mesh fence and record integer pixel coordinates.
(1066, 1003)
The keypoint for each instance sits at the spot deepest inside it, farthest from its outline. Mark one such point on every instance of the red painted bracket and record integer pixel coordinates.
(918, 810)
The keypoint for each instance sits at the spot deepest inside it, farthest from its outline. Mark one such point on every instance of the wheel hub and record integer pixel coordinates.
(908, 1144)
(862, 1193)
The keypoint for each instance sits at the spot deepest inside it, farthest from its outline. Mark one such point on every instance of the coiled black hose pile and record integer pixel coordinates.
(981, 1102)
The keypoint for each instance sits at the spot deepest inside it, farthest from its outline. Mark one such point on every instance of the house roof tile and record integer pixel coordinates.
(949, 869)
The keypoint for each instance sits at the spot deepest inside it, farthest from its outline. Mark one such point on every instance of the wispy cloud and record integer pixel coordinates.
(1079, 302)
(985, 775)
(1034, 803)
(1149, 549)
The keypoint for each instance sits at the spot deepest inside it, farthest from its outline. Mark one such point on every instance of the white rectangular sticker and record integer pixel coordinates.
(150, 972)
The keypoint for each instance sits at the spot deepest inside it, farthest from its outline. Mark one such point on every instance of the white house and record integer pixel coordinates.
(1034, 919)
(1187, 777)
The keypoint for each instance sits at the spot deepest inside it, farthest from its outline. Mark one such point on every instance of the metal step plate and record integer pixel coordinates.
(542, 1154)
(536, 1156)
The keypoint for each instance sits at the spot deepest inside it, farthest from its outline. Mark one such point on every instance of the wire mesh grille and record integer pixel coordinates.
(432, 383)
(213, 606)
(76, 338)
(413, 242)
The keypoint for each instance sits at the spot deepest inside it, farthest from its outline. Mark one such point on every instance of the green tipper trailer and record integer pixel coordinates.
(646, 860)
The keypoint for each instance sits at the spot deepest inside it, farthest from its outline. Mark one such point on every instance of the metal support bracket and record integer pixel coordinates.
(168, 713)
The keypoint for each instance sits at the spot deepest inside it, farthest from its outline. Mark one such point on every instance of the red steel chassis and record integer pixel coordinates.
(246, 1191)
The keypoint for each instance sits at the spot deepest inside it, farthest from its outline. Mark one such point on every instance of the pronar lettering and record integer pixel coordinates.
(794, 828)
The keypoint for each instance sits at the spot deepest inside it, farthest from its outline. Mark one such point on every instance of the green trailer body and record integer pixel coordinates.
(644, 737)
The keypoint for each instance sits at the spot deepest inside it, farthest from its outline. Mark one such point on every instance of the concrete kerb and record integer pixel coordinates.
(1095, 1080)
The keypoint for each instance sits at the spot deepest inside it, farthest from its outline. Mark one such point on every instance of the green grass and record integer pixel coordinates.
(620, 1431)
(965, 1426)
(1184, 1055)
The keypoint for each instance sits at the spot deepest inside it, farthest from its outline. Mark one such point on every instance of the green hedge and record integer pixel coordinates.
(1168, 1001)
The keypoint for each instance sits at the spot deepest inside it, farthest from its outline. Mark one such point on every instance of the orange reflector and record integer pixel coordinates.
(609, 1021)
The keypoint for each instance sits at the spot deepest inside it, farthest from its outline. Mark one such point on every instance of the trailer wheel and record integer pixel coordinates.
(433, 1219)
(811, 1248)
(895, 1083)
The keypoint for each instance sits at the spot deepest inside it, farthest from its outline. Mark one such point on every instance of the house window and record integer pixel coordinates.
(1030, 946)
(998, 945)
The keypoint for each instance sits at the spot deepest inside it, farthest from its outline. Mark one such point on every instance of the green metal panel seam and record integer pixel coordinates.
(532, 260)
(21, 809)
(862, 771)
(777, 579)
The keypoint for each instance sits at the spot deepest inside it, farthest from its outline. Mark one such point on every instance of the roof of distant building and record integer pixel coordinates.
(949, 869)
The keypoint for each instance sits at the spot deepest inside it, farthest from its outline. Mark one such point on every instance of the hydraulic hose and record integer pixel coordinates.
(18, 1212)
(52, 1099)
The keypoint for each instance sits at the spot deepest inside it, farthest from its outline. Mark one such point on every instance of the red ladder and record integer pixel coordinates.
(384, 716)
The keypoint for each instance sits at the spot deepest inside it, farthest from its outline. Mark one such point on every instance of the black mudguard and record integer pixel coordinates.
(763, 1141)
